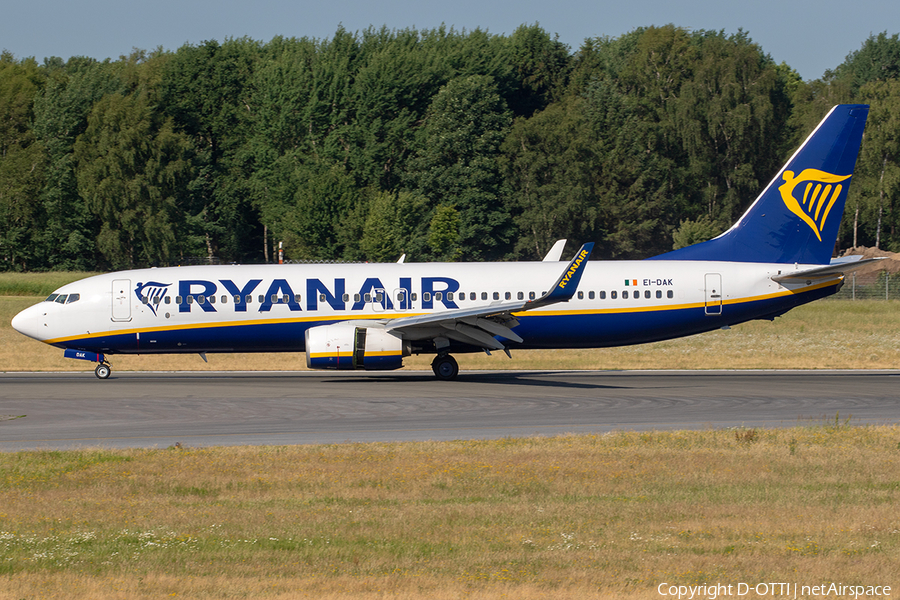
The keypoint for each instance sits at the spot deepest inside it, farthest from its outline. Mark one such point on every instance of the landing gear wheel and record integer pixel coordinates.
(102, 371)
(445, 367)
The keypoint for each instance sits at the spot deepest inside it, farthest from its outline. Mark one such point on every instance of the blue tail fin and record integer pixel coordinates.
(796, 217)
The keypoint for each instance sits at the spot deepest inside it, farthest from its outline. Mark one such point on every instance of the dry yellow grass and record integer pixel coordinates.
(831, 334)
(592, 516)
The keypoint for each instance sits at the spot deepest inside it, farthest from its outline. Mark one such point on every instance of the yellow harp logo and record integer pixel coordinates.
(817, 197)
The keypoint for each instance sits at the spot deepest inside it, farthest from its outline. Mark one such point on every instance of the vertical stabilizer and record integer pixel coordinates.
(796, 217)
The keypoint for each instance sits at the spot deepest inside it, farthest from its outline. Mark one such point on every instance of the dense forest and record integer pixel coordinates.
(440, 144)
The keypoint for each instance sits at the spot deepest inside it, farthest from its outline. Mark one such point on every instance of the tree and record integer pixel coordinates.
(551, 163)
(205, 90)
(133, 169)
(315, 225)
(22, 163)
(394, 226)
(456, 164)
(876, 184)
(877, 60)
(67, 237)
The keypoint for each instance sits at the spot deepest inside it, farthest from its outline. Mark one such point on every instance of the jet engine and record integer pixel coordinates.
(352, 346)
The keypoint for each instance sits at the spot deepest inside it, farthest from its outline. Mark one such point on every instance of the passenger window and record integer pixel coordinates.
(625, 295)
(212, 299)
(297, 298)
(178, 299)
(321, 297)
(531, 295)
(603, 295)
(168, 300)
(262, 299)
(345, 298)
(472, 296)
(401, 297)
(520, 296)
(496, 295)
(144, 299)
(613, 295)
(356, 297)
(437, 296)
(248, 300)
(646, 293)
(484, 295)
(224, 299)
(581, 295)
(237, 299)
(190, 299)
(508, 295)
(201, 299)
(379, 297)
(659, 293)
(274, 299)
(414, 296)
(368, 297)
(449, 297)
(670, 294)
(590, 295)
(426, 297)
(286, 299)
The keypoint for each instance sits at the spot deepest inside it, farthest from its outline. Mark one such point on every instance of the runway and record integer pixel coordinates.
(145, 410)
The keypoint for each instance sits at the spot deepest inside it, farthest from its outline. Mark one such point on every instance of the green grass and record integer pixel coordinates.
(36, 284)
(588, 516)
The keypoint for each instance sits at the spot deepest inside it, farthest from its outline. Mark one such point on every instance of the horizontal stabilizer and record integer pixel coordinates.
(837, 268)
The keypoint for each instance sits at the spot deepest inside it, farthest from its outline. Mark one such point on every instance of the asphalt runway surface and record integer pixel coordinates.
(146, 410)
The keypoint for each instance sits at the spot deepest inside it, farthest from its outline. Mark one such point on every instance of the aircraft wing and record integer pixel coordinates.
(837, 267)
(478, 325)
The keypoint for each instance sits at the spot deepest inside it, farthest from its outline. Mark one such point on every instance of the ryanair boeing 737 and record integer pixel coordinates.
(370, 316)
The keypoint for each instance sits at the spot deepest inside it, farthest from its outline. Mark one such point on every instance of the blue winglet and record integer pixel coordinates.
(565, 286)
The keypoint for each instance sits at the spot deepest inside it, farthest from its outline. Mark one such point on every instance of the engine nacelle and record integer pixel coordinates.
(350, 346)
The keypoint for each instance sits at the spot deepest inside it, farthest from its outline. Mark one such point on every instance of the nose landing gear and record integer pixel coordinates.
(103, 371)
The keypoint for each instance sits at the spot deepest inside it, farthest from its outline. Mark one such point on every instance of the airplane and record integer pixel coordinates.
(777, 256)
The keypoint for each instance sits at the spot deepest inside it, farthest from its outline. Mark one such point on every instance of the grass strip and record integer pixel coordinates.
(576, 516)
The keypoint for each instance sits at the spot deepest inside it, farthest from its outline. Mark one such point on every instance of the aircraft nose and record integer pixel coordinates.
(26, 322)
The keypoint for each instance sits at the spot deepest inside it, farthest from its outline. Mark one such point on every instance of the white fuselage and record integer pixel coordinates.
(269, 307)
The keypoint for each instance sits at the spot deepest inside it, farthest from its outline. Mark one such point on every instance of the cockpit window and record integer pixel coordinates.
(51, 298)
(73, 298)
(61, 299)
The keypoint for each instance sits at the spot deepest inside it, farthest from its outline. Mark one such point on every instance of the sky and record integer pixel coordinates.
(809, 35)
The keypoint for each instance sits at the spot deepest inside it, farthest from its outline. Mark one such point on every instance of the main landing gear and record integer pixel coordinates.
(103, 371)
(445, 367)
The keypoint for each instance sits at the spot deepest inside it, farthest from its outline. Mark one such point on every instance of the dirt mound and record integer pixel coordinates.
(871, 271)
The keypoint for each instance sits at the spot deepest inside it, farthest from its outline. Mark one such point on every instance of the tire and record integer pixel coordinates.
(445, 368)
(102, 371)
